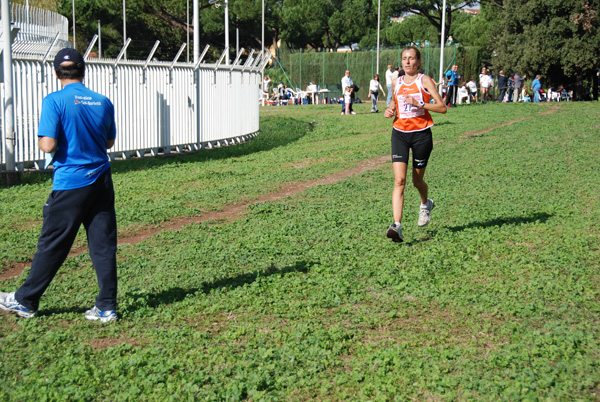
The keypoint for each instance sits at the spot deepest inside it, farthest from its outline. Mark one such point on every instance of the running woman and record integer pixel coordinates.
(410, 107)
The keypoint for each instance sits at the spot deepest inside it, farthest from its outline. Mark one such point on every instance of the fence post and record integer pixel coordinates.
(323, 84)
(372, 62)
(10, 176)
(300, 69)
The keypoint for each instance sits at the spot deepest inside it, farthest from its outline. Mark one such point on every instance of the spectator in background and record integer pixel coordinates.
(526, 94)
(347, 99)
(388, 83)
(374, 87)
(484, 84)
(510, 88)
(453, 78)
(472, 87)
(502, 85)
(266, 83)
(491, 90)
(518, 86)
(536, 86)
(347, 82)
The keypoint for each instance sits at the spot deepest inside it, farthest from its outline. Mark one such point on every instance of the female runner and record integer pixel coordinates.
(410, 107)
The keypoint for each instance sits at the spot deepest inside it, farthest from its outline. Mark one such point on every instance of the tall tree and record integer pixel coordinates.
(429, 9)
(559, 39)
(351, 21)
(305, 22)
(414, 28)
(167, 21)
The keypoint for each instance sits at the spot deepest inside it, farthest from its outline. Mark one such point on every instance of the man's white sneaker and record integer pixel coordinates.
(425, 213)
(95, 314)
(9, 303)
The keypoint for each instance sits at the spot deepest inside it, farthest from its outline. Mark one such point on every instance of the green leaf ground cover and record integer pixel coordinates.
(305, 299)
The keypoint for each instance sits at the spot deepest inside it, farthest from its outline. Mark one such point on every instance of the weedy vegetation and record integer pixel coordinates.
(304, 298)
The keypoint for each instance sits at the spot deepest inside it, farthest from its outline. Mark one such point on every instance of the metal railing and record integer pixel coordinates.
(159, 106)
(37, 29)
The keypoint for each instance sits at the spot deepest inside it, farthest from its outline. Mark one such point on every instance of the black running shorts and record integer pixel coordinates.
(421, 143)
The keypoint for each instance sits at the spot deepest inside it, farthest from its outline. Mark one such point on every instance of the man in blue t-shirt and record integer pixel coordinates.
(76, 128)
(453, 80)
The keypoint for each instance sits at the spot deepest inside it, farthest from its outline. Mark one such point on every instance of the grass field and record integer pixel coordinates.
(300, 296)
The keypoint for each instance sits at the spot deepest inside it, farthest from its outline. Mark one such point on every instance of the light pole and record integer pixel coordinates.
(227, 31)
(99, 41)
(74, 45)
(378, 26)
(262, 51)
(124, 29)
(217, 3)
(187, 28)
(442, 38)
(196, 24)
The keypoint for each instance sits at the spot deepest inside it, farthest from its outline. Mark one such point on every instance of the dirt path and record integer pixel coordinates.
(231, 212)
(551, 109)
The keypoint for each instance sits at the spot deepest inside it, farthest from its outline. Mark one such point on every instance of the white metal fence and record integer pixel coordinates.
(159, 106)
(37, 29)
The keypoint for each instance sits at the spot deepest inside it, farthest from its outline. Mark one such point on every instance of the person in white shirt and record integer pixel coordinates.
(472, 87)
(311, 90)
(388, 83)
(374, 87)
(484, 83)
(266, 83)
(347, 82)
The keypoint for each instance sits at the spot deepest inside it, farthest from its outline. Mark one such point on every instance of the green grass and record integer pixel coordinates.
(305, 299)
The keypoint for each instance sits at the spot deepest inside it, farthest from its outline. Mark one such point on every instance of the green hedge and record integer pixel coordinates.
(297, 68)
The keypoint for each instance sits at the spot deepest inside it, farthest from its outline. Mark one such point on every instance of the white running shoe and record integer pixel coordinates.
(95, 314)
(425, 213)
(394, 232)
(9, 303)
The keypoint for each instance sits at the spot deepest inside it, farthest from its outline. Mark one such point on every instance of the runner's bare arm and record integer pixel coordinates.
(438, 105)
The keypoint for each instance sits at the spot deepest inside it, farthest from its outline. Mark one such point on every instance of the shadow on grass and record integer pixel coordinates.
(443, 123)
(541, 217)
(274, 133)
(177, 294)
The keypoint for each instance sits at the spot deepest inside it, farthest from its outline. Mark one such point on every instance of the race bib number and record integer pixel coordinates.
(407, 110)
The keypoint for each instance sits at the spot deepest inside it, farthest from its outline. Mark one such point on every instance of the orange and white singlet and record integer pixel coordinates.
(409, 118)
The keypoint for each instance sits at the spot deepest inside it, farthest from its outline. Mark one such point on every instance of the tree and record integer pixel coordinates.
(431, 10)
(474, 30)
(414, 28)
(305, 22)
(559, 39)
(166, 20)
(351, 21)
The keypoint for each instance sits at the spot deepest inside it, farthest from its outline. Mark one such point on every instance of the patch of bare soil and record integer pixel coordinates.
(103, 343)
(550, 109)
(229, 212)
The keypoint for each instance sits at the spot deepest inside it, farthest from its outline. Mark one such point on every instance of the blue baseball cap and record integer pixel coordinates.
(68, 54)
